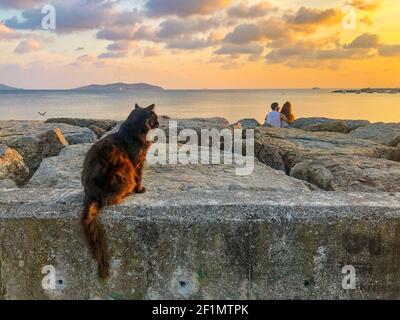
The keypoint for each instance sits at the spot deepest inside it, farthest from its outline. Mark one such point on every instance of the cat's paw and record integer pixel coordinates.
(140, 190)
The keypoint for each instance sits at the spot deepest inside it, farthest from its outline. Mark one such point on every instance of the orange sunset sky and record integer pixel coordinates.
(201, 43)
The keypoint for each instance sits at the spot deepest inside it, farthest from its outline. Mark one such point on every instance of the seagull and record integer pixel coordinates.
(42, 113)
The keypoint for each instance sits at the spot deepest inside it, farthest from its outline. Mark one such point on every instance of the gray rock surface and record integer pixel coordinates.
(351, 174)
(387, 133)
(12, 165)
(37, 147)
(275, 147)
(334, 126)
(7, 184)
(350, 124)
(64, 171)
(73, 134)
(99, 127)
(247, 124)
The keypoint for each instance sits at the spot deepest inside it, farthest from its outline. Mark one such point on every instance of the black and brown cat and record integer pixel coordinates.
(113, 170)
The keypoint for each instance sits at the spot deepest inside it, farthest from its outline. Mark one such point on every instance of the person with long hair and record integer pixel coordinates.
(275, 118)
(287, 111)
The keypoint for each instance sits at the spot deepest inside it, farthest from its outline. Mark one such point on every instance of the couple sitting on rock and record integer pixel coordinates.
(280, 118)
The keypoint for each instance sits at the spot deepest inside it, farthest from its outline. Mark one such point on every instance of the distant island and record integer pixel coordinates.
(113, 87)
(369, 90)
(7, 88)
(119, 87)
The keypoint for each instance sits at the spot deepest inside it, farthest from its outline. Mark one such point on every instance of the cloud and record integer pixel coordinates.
(173, 28)
(366, 5)
(389, 50)
(189, 43)
(27, 46)
(307, 53)
(121, 46)
(184, 8)
(126, 33)
(77, 15)
(232, 49)
(342, 53)
(7, 34)
(245, 33)
(365, 41)
(151, 51)
(246, 11)
(113, 55)
(367, 21)
(279, 55)
(19, 4)
(309, 19)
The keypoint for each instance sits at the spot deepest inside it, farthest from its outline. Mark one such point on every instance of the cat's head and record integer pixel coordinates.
(144, 119)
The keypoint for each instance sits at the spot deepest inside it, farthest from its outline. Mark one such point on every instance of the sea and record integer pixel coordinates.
(232, 105)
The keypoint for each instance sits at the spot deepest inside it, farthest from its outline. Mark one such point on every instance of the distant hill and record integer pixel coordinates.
(7, 88)
(118, 87)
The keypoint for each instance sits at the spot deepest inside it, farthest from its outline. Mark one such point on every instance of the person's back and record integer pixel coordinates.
(274, 119)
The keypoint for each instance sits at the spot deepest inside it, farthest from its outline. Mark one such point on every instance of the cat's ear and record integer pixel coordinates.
(151, 108)
(137, 106)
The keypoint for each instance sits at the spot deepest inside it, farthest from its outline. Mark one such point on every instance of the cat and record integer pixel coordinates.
(113, 170)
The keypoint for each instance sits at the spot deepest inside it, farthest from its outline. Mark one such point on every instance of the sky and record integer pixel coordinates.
(196, 44)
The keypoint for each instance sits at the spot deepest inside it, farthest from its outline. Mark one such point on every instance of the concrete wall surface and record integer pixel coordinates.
(204, 245)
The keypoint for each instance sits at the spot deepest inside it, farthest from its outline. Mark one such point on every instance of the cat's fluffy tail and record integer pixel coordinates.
(95, 236)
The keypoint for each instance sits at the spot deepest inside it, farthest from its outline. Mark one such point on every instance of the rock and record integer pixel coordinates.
(97, 130)
(73, 134)
(85, 135)
(196, 124)
(106, 125)
(350, 124)
(334, 126)
(64, 172)
(7, 184)
(247, 124)
(352, 174)
(387, 133)
(12, 165)
(274, 146)
(35, 148)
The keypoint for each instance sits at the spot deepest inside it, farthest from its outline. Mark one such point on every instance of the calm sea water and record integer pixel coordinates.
(230, 104)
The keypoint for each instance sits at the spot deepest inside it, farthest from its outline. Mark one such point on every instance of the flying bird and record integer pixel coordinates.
(42, 113)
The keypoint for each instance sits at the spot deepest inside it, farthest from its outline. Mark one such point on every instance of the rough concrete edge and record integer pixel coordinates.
(218, 206)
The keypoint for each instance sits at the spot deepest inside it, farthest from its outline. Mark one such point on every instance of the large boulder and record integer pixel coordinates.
(64, 172)
(247, 124)
(287, 147)
(303, 123)
(35, 148)
(334, 126)
(73, 134)
(387, 133)
(12, 166)
(350, 173)
(100, 127)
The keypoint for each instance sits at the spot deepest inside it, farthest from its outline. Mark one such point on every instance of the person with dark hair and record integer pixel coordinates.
(287, 111)
(275, 118)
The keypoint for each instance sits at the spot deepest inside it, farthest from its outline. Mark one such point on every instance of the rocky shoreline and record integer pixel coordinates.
(369, 90)
(314, 154)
